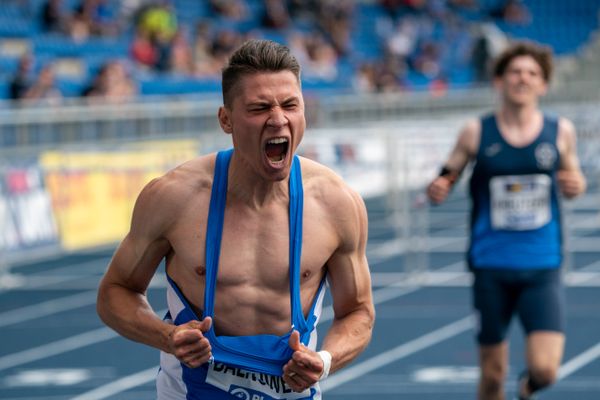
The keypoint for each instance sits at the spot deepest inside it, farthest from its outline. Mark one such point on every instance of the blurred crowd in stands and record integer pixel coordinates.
(374, 46)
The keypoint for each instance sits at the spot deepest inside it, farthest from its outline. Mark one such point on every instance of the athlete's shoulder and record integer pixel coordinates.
(472, 126)
(566, 126)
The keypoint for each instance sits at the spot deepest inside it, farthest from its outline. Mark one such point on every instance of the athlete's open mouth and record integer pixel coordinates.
(276, 149)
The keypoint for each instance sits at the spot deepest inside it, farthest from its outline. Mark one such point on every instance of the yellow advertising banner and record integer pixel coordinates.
(93, 192)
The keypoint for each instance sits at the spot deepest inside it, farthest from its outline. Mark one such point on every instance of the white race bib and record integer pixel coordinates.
(520, 202)
(250, 385)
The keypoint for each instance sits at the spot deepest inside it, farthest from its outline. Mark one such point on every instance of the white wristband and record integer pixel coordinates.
(326, 357)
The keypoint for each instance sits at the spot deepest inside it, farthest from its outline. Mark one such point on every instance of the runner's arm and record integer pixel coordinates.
(464, 151)
(571, 180)
(122, 303)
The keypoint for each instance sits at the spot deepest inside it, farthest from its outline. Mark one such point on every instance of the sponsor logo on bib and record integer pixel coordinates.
(250, 385)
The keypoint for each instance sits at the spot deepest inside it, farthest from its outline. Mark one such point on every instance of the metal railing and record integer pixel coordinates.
(80, 122)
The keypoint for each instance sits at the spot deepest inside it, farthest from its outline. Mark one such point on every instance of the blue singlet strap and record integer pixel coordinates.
(216, 215)
(296, 211)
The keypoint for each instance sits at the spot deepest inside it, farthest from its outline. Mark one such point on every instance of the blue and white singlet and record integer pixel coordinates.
(515, 216)
(244, 367)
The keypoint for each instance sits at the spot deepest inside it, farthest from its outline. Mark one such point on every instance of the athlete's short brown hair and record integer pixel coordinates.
(256, 56)
(540, 53)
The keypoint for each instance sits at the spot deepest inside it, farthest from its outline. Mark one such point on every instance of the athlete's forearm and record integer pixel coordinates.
(130, 314)
(349, 336)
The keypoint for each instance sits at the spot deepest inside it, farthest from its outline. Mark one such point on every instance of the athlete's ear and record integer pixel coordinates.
(225, 120)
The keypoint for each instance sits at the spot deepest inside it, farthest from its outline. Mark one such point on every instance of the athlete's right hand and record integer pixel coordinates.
(438, 190)
(188, 343)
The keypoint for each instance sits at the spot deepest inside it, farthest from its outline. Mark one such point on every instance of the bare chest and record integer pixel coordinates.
(254, 255)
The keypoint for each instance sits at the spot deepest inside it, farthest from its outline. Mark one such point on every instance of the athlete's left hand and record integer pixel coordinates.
(304, 368)
(571, 183)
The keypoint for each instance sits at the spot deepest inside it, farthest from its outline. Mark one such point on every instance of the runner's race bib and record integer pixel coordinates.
(251, 385)
(520, 202)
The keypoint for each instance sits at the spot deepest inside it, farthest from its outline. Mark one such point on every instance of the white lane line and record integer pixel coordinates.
(98, 265)
(59, 347)
(404, 350)
(579, 361)
(56, 276)
(71, 282)
(46, 308)
(119, 385)
(591, 267)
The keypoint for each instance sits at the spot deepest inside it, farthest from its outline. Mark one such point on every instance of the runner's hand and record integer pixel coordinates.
(188, 343)
(304, 368)
(570, 183)
(438, 190)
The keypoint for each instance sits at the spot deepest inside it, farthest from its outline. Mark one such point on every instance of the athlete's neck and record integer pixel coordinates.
(254, 190)
(520, 126)
(519, 116)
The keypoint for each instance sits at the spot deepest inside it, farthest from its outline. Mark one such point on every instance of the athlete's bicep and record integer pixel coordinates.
(567, 146)
(136, 259)
(348, 269)
(465, 148)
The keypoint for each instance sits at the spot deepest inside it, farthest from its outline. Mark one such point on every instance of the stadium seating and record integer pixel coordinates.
(563, 25)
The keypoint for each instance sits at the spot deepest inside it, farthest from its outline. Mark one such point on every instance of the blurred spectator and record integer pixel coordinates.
(512, 12)
(275, 15)
(303, 9)
(112, 84)
(365, 79)
(21, 81)
(79, 26)
(159, 20)
(402, 41)
(204, 63)
(235, 10)
(181, 57)
(389, 74)
(43, 90)
(316, 56)
(297, 46)
(93, 17)
(103, 17)
(225, 42)
(52, 16)
(129, 9)
(335, 18)
(515, 12)
(427, 61)
(322, 58)
(162, 46)
(155, 31)
(142, 50)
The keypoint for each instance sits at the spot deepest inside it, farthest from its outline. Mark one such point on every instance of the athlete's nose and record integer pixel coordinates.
(277, 118)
